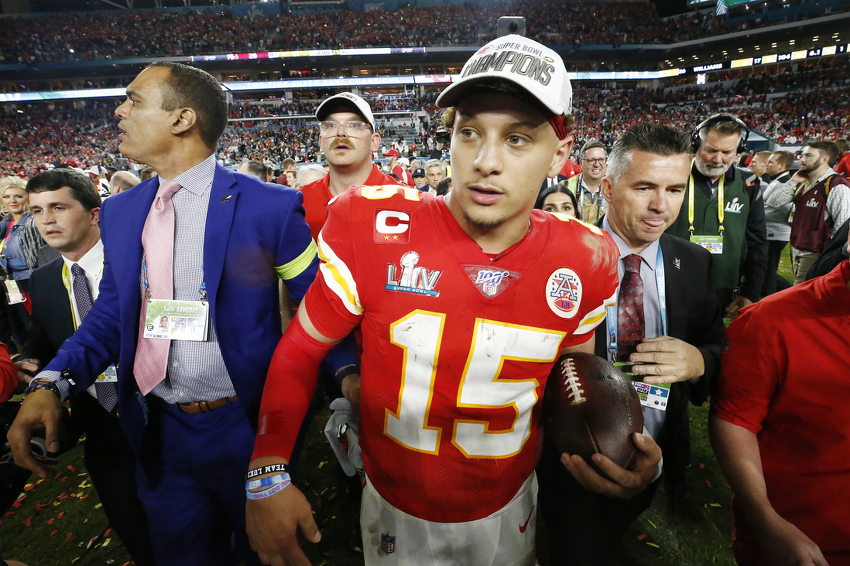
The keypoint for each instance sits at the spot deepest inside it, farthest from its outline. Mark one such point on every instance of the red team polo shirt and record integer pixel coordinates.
(785, 378)
(317, 195)
(456, 347)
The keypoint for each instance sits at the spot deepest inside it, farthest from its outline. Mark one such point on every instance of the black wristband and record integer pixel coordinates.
(344, 372)
(271, 468)
(43, 383)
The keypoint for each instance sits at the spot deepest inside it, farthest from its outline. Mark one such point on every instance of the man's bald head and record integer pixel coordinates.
(122, 181)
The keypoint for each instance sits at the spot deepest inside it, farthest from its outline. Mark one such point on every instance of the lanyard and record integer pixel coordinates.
(660, 286)
(720, 201)
(202, 289)
(582, 192)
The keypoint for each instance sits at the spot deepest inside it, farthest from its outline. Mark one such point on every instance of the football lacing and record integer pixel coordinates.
(572, 381)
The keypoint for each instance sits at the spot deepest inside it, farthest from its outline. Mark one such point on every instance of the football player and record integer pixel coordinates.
(465, 302)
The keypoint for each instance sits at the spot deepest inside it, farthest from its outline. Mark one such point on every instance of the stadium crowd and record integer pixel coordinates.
(107, 34)
(788, 107)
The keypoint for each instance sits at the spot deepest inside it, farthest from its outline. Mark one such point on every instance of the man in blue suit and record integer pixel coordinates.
(189, 406)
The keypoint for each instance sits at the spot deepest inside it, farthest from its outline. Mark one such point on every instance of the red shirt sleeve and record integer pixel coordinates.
(750, 374)
(8, 374)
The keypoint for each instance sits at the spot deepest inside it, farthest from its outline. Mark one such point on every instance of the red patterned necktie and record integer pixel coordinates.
(158, 243)
(631, 327)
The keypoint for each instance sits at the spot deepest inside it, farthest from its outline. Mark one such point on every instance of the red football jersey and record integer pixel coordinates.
(456, 347)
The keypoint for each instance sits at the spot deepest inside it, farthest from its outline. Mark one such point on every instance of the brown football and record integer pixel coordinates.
(589, 406)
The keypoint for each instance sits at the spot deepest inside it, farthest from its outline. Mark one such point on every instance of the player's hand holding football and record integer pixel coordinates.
(667, 360)
(272, 523)
(623, 483)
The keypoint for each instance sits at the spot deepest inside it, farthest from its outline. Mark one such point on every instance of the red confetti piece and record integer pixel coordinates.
(40, 506)
(65, 479)
(68, 537)
(72, 468)
(29, 487)
(53, 532)
(62, 514)
(107, 533)
(83, 498)
(18, 501)
(28, 521)
(641, 536)
(9, 513)
(51, 520)
(126, 563)
(727, 485)
(61, 497)
(319, 503)
(702, 466)
(708, 483)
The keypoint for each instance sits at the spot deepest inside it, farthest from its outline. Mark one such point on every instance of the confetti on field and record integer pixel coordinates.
(702, 466)
(715, 504)
(71, 468)
(106, 542)
(53, 532)
(651, 523)
(51, 520)
(653, 545)
(708, 483)
(29, 487)
(98, 506)
(107, 533)
(727, 485)
(18, 501)
(322, 463)
(83, 498)
(641, 536)
(62, 514)
(28, 521)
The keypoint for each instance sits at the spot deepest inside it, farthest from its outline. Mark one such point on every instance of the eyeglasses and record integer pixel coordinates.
(354, 126)
(596, 160)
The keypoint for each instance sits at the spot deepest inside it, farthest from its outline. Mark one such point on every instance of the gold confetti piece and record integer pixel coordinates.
(75, 559)
(106, 542)
(715, 504)
(322, 463)
(323, 491)
(98, 506)
(653, 545)
(651, 523)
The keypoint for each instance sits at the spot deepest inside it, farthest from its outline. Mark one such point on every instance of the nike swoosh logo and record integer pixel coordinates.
(525, 525)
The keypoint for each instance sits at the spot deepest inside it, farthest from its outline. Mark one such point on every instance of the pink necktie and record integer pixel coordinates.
(630, 321)
(158, 244)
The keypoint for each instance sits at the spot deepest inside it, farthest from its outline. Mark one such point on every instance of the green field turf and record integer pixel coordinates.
(59, 522)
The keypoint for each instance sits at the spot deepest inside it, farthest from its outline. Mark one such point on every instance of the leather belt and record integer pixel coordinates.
(205, 406)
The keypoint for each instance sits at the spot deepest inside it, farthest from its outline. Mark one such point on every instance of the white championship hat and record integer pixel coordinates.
(346, 99)
(519, 61)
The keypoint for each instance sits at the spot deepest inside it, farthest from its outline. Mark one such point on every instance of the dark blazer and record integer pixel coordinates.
(255, 232)
(52, 317)
(694, 315)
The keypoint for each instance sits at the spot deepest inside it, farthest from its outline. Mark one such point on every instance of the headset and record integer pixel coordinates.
(742, 142)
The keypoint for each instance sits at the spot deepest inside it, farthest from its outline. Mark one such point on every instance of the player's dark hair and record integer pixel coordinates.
(659, 139)
(82, 189)
(190, 87)
(828, 148)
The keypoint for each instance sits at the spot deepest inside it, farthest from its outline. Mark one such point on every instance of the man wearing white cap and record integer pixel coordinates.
(347, 139)
(465, 302)
(394, 166)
